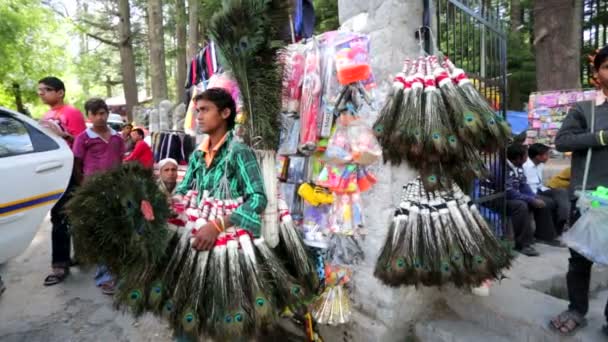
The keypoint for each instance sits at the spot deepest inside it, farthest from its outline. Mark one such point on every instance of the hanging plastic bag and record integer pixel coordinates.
(338, 150)
(364, 146)
(290, 134)
(589, 235)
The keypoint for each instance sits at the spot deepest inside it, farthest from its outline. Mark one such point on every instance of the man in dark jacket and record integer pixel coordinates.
(576, 136)
(522, 201)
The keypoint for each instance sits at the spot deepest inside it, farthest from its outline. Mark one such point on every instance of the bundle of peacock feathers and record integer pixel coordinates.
(247, 34)
(437, 238)
(119, 219)
(437, 121)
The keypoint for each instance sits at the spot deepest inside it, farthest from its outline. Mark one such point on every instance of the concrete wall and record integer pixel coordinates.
(382, 313)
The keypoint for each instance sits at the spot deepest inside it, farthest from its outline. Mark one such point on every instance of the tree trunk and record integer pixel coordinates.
(193, 28)
(18, 100)
(127, 59)
(557, 44)
(181, 22)
(157, 51)
(515, 15)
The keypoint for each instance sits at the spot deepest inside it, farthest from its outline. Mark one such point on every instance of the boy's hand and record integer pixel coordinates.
(205, 238)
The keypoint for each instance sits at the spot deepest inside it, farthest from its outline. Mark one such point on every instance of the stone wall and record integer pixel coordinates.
(383, 313)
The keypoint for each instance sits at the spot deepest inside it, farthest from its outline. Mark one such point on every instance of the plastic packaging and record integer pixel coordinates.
(311, 98)
(589, 235)
(365, 147)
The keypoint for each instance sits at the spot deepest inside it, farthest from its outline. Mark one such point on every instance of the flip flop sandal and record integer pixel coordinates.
(56, 277)
(564, 318)
(108, 288)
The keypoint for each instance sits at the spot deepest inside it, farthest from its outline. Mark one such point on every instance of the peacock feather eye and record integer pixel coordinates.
(135, 295)
(189, 317)
(491, 122)
(238, 317)
(417, 264)
(168, 306)
(468, 117)
(379, 128)
(479, 259)
(456, 257)
(228, 319)
(445, 267)
(244, 44)
(452, 139)
(157, 289)
(436, 136)
(260, 301)
(400, 263)
(295, 290)
(432, 179)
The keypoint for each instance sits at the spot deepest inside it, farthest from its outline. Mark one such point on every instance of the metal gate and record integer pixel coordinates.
(472, 34)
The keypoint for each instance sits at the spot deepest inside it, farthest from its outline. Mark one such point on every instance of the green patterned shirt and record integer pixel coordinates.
(244, 178)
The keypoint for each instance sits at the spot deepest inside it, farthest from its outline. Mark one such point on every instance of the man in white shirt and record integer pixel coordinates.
(538, 154)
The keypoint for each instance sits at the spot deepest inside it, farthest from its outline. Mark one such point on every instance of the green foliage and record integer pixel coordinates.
(326, 12)
(31, 47)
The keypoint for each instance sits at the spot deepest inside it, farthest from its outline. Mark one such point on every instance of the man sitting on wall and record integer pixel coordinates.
(538, 154)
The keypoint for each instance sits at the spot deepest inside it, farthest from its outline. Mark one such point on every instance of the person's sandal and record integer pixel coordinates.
(570, 320)
(108, 288)
(59, 274)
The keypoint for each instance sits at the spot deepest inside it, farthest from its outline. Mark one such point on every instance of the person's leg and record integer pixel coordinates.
(60, 235)
(520, 218)
(578, 278)
(545, 227)
(563, 204)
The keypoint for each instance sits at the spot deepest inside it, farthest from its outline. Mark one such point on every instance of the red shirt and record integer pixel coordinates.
(142, 153)
(69, 118)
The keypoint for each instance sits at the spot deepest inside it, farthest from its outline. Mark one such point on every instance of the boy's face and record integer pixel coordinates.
(602, 75)
(210, 118)
(99, 119)
(49, 95)
(126, 130)
(135, 136)
(543, 158)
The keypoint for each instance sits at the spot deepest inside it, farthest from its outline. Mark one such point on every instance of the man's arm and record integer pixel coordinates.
(574, 134)
(79, 152)
(247, 216)
(138, 151)
(512, 189)
(189, 177)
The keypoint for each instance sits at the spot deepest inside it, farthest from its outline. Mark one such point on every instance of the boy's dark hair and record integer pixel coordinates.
(600, 58)
(53, 82)
(128, 125)
(515, 151)
(537, 150)
(139, 132)
(94, 105)
(222, 100)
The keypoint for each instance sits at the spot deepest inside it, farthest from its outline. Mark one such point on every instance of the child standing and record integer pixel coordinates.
(98, 149)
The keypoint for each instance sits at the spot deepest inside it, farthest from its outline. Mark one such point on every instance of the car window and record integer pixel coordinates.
(14, 137)
(17, 137)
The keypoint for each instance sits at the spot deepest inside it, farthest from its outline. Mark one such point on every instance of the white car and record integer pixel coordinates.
(35, 167)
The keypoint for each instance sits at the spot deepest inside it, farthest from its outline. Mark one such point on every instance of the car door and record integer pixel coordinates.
(35, 167)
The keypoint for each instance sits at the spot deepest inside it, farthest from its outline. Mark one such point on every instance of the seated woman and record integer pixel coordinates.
(167, 181)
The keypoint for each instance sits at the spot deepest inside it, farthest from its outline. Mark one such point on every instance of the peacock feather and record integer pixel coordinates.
(247, 36)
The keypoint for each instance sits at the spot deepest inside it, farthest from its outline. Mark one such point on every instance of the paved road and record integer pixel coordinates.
(73, 311)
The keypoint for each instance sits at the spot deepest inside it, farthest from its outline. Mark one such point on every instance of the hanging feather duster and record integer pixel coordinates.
(443, 240)
(493, 123)
(287, 291)
(259, 289)
(216, 305)
(409, 124)
(247, 35)
(296, 254)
